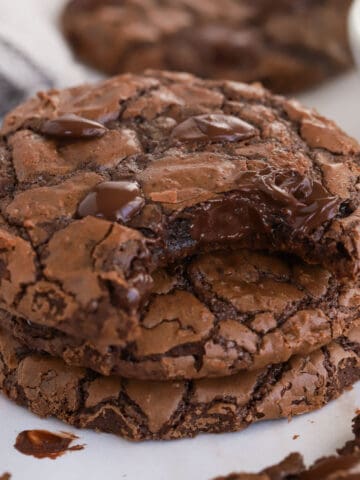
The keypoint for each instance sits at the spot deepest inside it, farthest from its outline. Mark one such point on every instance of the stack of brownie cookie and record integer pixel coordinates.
(177, 256)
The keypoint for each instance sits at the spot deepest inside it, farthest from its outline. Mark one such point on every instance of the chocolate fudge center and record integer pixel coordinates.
(263, 202)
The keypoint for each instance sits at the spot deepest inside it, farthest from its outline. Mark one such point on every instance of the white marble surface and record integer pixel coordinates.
(205, 457)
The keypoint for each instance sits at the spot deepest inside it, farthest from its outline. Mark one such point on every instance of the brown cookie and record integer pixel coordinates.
(101, 185)
(287, 44)
(345, 465)
(216, 315)
(140, 410)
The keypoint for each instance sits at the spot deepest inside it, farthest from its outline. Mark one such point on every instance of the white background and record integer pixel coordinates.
(207, 456)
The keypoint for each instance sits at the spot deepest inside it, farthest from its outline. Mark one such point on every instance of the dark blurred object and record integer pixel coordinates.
(10, 95)
(19, 76)
(288, 45)
(344, 465)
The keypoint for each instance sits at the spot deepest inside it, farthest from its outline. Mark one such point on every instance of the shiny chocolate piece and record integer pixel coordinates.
(213, 128)
(44, 444)
(73, 126)
(114, 201)
(262, 202)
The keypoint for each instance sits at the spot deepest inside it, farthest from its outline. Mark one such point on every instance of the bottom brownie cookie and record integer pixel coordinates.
(141, 410)
(344, 465)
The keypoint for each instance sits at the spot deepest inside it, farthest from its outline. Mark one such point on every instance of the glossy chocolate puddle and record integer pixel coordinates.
(44, 444)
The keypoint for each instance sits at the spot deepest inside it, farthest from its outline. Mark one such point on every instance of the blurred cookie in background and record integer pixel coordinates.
(288, 45)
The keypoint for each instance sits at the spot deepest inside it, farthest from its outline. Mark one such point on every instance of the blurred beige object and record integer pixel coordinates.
(33, 53)
(354, 29)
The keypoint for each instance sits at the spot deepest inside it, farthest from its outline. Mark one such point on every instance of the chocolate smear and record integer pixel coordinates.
(44, 444)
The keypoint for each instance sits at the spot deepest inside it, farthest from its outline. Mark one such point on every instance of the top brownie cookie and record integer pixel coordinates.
(286, 44)
(100, 185)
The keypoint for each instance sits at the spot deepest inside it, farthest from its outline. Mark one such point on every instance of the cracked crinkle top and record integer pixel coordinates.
(288, 45)
(103, 185)
(151, 410)
(219, 314)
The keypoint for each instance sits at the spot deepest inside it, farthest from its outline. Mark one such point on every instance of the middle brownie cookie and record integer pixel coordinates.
(215, 315)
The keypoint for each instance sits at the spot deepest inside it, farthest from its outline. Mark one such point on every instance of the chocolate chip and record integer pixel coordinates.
(213, 127)
(73, 126)
(115, 201)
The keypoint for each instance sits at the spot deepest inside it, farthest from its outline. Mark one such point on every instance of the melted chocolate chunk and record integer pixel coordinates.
(73, 126)
(114, 201)
(255, 206)
(44, 444)
(213, 128)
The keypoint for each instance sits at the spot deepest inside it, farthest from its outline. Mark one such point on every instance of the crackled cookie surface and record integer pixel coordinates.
(216, 315)
(102, 185)
(288, 44)
(142, 410)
